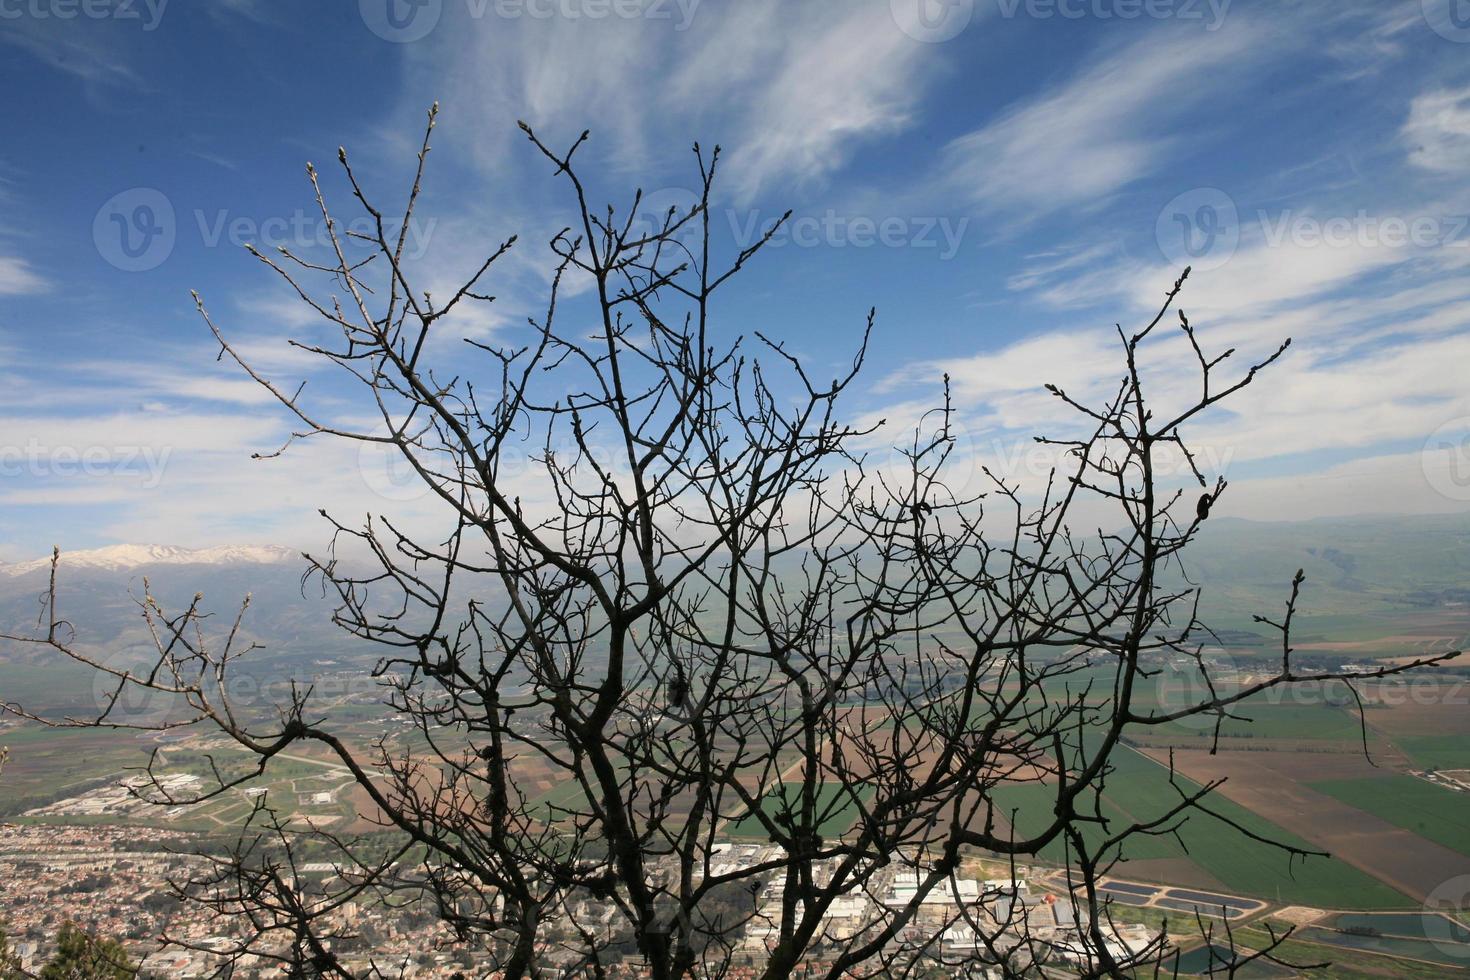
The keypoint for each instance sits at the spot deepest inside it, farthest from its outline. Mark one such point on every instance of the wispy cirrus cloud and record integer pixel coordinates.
(1109, 125)
(94, 51)
(792, 89)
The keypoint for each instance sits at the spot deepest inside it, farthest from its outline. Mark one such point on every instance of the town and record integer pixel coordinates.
(114, 883)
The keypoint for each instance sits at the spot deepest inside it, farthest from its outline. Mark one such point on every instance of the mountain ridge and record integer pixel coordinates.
(122, 557)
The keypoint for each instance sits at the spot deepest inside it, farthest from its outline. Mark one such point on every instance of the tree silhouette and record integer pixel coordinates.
(677, 580)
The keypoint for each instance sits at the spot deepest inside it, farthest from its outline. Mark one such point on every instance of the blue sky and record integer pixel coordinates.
(1003, 179)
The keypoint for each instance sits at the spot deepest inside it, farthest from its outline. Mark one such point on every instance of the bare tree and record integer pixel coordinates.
(712, 612)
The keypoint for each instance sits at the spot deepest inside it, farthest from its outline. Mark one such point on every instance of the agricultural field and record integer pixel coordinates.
(303, 791)
(1348, 946)
(1212, 958)
(1436, 751)
(46, 764)
(1222, 858)
(55, 688)
(835, 811)
(1275, 785)
(1261, 720)
(1432, 812)
(1420, 707)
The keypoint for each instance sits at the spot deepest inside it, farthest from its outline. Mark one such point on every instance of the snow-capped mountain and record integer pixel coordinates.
(122, 557)
(98, 593)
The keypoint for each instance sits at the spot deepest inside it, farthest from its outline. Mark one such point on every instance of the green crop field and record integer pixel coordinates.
(554, 804)
(1432, 812)
(1031, 804)
(1139, 791)
(1437, 751)
(1321, 721)
(835, 811)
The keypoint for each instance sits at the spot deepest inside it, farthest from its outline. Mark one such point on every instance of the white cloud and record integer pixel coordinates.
(1438, 131)
(790, 88)
(1003, 388)
(1395, 483)
(1376, 370)
(1262, 276)
(18, 278)
(1106, 127)
(168, 432)
(1044, 268)
(1314, 402)
(839, 84)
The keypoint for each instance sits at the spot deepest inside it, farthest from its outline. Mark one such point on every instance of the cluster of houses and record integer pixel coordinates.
(963, 923)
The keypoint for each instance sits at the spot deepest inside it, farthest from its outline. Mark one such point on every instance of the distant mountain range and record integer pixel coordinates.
(127, 557)
(98, 592)
(1362, 574)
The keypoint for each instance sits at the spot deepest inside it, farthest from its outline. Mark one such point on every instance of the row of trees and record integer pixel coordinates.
(709, 602)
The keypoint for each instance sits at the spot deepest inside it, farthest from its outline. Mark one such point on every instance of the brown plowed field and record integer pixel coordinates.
(1442, 709)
